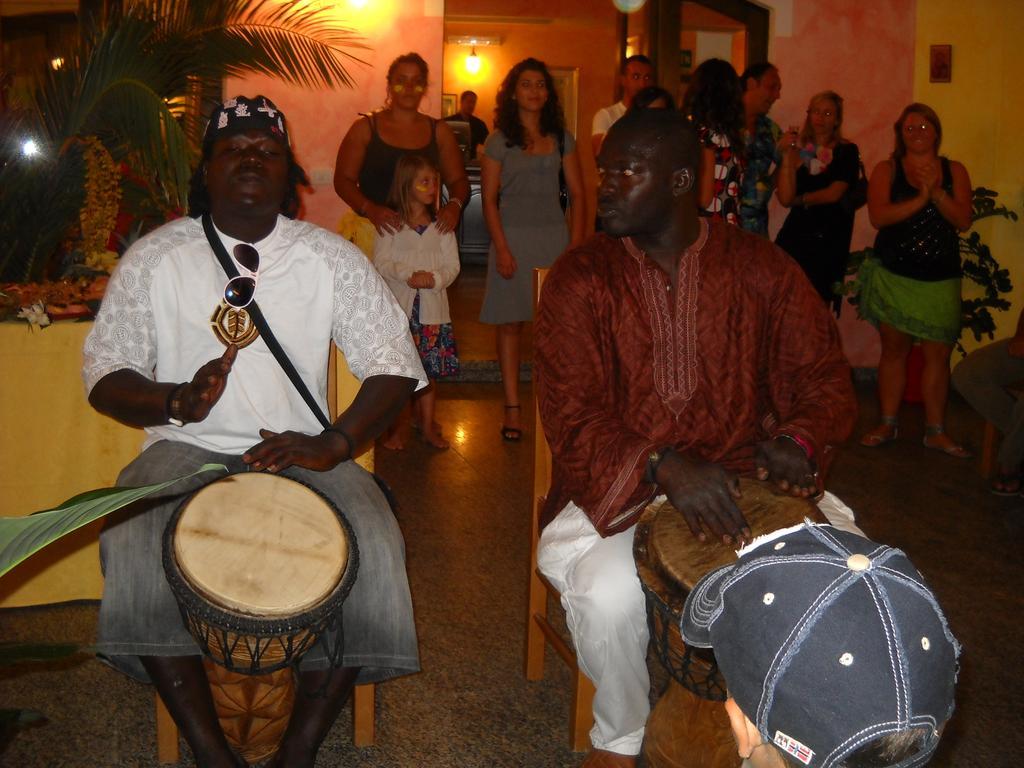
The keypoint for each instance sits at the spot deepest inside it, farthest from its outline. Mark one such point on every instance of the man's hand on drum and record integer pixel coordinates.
(785, 463)
(280, 450)
(706, 495)
(202, 393)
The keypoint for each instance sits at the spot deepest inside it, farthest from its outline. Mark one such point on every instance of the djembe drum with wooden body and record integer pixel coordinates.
(688, 727)
(260, 565)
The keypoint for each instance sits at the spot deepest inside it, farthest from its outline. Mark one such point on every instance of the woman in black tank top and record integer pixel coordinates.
(373, 145)
(911, 288)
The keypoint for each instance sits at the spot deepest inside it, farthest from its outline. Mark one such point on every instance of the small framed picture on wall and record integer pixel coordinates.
(449, 104)
(940, 64)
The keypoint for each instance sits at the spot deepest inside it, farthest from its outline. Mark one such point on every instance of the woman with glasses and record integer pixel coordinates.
(525, 214)
(818, 168)
(375, 142)
(910, 289)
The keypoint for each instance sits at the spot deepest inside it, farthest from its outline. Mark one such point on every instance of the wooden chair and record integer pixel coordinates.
(538, 628)
(340, 388)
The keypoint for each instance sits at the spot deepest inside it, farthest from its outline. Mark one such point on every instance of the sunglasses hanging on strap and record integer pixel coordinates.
(240, 293)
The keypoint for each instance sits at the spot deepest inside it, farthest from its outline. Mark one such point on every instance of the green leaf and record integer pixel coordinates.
(18, 653)
(22, 537)
(20, 718)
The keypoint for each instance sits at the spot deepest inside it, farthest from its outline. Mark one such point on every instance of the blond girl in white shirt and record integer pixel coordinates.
(418, 263)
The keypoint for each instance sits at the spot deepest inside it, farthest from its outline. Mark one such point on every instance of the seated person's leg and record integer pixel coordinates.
(182, 683)
(981, 377)
(315, 710)
(378, 632)
(607, 616)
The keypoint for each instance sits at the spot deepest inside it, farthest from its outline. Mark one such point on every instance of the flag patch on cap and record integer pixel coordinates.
(791, 746)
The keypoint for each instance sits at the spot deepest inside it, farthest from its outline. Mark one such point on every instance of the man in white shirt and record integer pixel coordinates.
(635, 74)
(175, 351)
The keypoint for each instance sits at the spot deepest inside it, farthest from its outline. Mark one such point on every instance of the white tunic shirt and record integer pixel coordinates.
(159, 318)
(607, 117)
(397, 255)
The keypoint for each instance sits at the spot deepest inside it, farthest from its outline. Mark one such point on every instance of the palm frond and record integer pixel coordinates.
(22, 537)
(291, 41)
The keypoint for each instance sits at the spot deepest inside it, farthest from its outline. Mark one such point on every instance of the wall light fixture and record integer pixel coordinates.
(473, 62)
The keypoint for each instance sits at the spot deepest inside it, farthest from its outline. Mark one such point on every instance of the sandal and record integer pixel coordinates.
(884, 433)
(511, 434)
(950, 449)
(1006, 484)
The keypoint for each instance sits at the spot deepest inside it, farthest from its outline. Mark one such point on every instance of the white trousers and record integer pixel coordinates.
(606, 614)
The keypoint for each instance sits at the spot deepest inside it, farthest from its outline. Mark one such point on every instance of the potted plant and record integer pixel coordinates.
(117, 126)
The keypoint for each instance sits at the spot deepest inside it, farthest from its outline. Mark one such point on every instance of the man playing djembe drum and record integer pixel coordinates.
(173, 353)
(672, 354)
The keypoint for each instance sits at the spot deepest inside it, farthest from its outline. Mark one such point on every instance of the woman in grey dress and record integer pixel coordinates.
(520, 189)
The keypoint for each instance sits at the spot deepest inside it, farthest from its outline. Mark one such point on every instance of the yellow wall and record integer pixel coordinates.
(981, 112)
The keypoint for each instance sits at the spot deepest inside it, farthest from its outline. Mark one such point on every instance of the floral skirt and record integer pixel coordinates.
(436, 345)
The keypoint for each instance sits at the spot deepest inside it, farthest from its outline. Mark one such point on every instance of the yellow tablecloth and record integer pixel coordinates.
(53, 445)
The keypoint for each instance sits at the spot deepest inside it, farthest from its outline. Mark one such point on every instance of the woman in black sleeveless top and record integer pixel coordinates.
(911, 288)
(816, 172)
(373, 145)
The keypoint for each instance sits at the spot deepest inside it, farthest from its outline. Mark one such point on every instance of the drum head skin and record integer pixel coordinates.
(261, 545)
(683, 559)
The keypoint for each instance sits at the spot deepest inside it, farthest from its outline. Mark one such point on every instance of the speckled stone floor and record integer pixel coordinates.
(464, 513)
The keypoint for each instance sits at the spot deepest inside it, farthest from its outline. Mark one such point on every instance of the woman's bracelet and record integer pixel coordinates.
(456, 201)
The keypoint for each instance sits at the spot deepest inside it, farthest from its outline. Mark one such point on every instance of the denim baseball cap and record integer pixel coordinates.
(242, 114)
(827, 641)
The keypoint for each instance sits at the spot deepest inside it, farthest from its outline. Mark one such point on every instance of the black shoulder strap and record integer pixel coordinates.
(947, 173)
(261, 322)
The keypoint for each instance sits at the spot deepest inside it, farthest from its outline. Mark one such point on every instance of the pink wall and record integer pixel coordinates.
(864, 52)
(319, 119)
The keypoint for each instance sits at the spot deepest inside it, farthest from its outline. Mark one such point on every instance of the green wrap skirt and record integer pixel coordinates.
(927, 310)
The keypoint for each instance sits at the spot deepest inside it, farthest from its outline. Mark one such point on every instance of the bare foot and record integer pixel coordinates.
(434, 438)
(434, 426)
(392, 443)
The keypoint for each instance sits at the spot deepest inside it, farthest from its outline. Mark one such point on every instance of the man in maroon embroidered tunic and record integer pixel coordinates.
(672, 354)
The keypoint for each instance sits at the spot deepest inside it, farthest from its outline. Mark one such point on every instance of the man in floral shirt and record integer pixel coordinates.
(762, 87)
